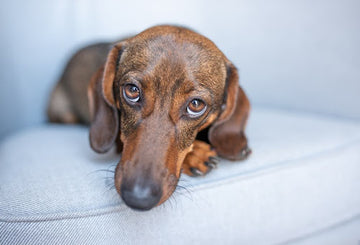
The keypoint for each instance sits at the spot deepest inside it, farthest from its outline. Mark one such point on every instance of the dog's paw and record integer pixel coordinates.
(201, 160)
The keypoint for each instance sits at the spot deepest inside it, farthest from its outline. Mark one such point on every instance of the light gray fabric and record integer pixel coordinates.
(347, 232)
(303, 176)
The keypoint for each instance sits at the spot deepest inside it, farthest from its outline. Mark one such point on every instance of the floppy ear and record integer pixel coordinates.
(104, 129)
(226, 134)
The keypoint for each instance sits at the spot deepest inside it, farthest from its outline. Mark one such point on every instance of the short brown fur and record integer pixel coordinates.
(171, 66)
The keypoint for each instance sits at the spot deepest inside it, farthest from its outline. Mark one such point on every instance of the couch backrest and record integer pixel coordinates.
(293, 54)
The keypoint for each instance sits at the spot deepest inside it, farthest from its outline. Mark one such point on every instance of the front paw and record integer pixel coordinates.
(201, 160)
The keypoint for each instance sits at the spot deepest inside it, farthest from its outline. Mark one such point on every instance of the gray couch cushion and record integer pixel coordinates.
(303, 176)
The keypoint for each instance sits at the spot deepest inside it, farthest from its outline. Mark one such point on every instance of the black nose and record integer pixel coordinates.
(141, 196)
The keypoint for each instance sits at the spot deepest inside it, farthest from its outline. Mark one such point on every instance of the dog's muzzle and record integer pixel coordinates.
(142, 195)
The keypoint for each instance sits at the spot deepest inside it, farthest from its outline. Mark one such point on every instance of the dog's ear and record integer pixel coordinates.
(226, 134)
(104, 128)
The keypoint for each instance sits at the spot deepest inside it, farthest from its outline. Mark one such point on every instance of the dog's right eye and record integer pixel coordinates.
(131, 93)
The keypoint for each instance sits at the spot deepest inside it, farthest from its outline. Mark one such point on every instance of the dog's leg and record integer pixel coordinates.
(200, 160)
(60, 109)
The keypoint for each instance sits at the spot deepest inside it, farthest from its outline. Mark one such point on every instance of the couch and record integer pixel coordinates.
(301, 184)
(298, 62)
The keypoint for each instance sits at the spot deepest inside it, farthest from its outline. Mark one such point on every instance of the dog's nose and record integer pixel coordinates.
(141, 196)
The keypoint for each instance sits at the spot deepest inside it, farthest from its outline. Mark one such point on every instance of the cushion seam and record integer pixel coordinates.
(325, 228)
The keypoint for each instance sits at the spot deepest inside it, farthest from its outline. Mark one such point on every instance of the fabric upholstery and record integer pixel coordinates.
(303, 177)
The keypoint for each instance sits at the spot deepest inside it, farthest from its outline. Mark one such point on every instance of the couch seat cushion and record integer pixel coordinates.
(303, 176)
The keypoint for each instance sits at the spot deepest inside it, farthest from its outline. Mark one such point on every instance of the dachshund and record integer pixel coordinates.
(169, 100)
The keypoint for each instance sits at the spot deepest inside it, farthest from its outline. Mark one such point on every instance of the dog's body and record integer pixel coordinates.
(167, 97)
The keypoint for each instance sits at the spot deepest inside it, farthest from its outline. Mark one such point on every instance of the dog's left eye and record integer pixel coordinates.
(131, 93)
(196, 108)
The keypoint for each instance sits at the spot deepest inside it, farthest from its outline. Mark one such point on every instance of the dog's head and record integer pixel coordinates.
(155, 93)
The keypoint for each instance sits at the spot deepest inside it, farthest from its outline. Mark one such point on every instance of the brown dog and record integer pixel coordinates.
(169, 99)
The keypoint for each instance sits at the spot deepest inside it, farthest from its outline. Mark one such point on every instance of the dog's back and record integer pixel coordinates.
(68, 102)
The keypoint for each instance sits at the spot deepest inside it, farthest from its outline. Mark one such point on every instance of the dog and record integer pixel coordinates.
(169, 100)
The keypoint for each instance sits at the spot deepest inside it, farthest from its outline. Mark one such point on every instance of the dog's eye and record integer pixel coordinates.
(196, 108)
(131, 93)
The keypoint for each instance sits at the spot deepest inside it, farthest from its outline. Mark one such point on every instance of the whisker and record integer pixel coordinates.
(105, 170)
(172, 200)
(184, 191)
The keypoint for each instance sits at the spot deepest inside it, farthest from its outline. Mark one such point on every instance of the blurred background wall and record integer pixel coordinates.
(301, 55)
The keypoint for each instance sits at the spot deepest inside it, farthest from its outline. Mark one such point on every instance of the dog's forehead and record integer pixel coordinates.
(173, 51)
(177, 34)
